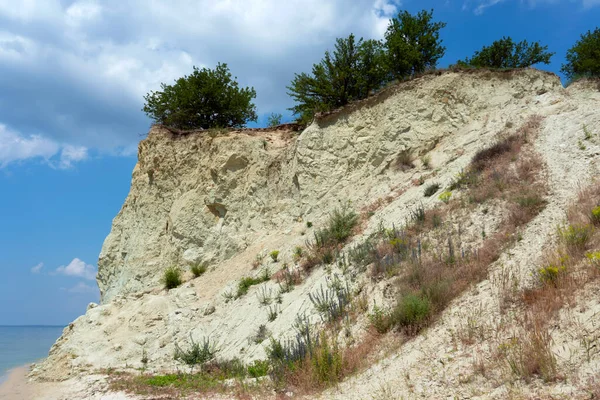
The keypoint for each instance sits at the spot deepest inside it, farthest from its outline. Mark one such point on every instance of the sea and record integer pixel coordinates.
(21, 345)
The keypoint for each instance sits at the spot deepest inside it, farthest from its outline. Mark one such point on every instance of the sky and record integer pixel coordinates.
(73, 75)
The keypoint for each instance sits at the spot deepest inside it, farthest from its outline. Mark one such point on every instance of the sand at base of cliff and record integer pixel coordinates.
(17, 386)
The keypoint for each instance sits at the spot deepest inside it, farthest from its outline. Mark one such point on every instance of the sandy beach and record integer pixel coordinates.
(18, 387)
(15, 386)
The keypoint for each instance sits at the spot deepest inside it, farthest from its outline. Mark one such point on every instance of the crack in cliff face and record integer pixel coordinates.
(230, 189)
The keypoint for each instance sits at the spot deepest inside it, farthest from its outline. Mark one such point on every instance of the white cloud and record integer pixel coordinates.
(37, 269)
(82, 12)
(15, 147)
(82, 288)
(71, 154)
(79, 269)
(479, 6)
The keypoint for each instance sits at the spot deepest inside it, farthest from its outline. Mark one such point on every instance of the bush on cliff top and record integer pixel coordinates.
(583, 59)
(505, 53)
(204, 99)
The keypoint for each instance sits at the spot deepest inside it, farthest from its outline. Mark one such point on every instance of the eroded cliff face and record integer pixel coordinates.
(228, 198)
(197, 198)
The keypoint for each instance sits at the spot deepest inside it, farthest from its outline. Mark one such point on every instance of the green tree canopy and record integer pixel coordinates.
(413, 43)
(351, 72)
(505, 53)
(205, 99)
(583, 59)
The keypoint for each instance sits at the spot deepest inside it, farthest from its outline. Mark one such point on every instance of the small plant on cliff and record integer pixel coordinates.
(431, 189)
(248, 282)
(274, 255)
(197, 354)
(199, 268)
(205, 99)
(172, 277)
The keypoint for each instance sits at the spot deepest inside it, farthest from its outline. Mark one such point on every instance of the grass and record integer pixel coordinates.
(530, 355)
(328, 240)
(274, 255)
(172, 278)
(246, 283)
(199, 268)
(575, 236)
(215, 377)
(197, 354)
(431, 189)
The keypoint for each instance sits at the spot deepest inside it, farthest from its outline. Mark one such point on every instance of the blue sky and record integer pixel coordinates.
(72, 79)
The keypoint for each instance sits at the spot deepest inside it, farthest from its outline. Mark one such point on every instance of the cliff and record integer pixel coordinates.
(229, 198)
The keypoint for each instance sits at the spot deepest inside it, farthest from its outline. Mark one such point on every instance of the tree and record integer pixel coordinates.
(505, 53)
(274, 119)
(413, 43)
(351, 72)
(205, 99)
(583, 59)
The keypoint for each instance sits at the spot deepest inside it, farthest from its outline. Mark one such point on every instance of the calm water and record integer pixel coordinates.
(20, 345)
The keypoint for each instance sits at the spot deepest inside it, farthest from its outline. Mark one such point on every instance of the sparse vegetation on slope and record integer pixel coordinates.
(172, 277)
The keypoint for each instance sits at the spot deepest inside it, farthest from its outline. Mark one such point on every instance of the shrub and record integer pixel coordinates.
(248, 282)
(431, 189)
(445, 196)
(575, 236)
(551, 273)
(404, 160)
(380, 320)
(341, 223)
(327, 361)
(172, 277)
(411, 311)
(198, 353)
(258, 368)
(274, 255)
(583, 59)
(199, 269)
(426, 161)
(505, 53)
(298, 253)
(205, 99)
(594, 257)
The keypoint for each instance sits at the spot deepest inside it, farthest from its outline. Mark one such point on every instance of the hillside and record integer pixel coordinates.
(228, 199)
